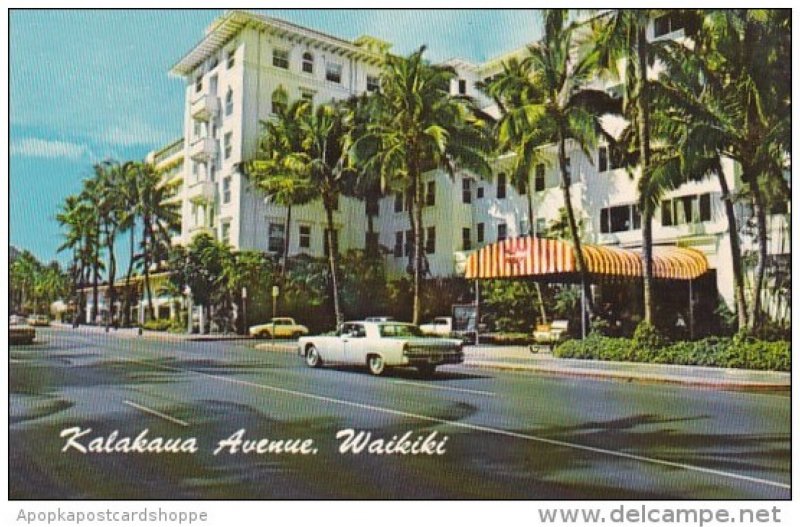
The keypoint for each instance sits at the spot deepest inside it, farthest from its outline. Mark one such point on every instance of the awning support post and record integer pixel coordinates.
(477, 311)
(583, 308)
(691, 311)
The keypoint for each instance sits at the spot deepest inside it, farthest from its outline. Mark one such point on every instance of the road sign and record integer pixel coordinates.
(275, 291)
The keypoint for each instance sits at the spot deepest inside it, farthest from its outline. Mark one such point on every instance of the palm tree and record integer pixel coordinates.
(75, 216)
(419, 127)
(750, 116)
(159, 221)
(92, 195)
(129, 208)
(545, 101)
(272, 171)
(111, 213)
(620, 37)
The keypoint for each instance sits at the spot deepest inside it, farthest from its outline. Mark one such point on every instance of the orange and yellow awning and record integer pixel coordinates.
(545, 258)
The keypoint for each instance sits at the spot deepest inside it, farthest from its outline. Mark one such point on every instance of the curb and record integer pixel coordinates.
(628, 377)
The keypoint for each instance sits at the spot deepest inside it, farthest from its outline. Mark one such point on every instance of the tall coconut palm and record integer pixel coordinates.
(620, 37)
(160, 220)
(129, 209)
(271, 169)
(111, 212)
(545, 101)
(419, 127)
(750, 117)
(75, 215)
(92, 195)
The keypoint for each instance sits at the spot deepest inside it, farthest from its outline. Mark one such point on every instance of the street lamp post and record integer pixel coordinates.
(244, 310)
(189, 325)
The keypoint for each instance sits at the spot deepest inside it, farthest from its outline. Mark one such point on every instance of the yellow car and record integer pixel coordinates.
(279, 328)
(38, 320)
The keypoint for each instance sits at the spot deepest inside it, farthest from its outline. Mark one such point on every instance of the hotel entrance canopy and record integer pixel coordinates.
(554, 260)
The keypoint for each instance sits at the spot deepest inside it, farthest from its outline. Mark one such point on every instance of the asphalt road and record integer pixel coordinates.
(509, 435)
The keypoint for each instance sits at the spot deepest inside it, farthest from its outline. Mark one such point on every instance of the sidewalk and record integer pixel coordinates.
(519, 358)
(146, 334)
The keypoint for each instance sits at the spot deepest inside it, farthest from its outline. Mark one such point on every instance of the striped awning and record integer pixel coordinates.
(555, 259)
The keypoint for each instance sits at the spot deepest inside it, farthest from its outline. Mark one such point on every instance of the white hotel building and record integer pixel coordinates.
(243, 58)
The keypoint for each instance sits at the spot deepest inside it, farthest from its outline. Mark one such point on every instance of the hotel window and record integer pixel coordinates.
(705, 207)
(195, 168)
(225, 232)
(373, 83)
(666, 24)
(231, 58)
(466, 190)
(538, 180)
(398, 244)
(198, 83)
(214, 62)
(480, 232)
(227, 144)
(430, 194)
(226, 189)
(308, 62)
(307, 96)
(666, 213)
(409, 246)
(280, 58)
(479, 193)
(620, 219)
(462, 86)
(541, 227)
(198, 128)
(524, 227)
(602, 159)
(398, 202)
(229, 102)
(430, 240)
(275, 238)
(501, 185)
(466, 239)
(278, 101)
(333, 72)
(608, 158)
(305, 236)
(335, 236)
(502, 232)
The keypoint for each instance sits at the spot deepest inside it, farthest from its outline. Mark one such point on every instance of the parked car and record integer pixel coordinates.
(38, 320)
(279, 328)
(440, 326)
(381, 345)
(16, 320)
(19, 332)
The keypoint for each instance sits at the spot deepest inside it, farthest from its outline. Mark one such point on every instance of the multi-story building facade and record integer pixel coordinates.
(231, 77)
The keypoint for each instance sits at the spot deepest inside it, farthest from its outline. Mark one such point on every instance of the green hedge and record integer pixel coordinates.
(164, 324)
(713, 351)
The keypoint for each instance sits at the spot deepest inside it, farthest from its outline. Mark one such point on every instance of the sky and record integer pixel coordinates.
(88, 85)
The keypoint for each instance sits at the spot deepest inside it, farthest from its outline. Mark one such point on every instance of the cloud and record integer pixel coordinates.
(133, 133)
(46, 148)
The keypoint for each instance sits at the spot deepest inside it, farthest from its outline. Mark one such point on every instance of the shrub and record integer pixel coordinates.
(725, 352)
(158, 324)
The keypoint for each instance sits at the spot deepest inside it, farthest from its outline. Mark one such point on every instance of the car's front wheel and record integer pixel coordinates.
(313, 360)
(376, 365)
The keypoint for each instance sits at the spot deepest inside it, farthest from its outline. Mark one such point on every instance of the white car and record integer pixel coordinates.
(441, 326)
(380, 345)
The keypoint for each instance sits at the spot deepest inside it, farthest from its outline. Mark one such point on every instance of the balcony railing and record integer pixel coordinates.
(204, 107)
(202, 191)
(203, 149)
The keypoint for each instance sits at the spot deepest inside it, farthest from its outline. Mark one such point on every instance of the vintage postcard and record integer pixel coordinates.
(511, 254)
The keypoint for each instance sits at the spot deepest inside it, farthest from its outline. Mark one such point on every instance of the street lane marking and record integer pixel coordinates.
(156, 413)
(448, 388)
(487, 429)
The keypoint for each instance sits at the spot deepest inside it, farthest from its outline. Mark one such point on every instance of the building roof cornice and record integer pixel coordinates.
(226, 27)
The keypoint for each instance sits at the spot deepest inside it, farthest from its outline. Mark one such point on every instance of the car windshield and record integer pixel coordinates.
(399, 330)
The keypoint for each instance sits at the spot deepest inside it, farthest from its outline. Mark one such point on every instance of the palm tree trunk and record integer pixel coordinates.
(759, 210)
(147, 241)
(95, 285)
(332, 260)
(128, 295)
(643, 109)
(736, 253)
(566, 181)
(417, 228)
(112, 275)
(532, 233)
(286, 233)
